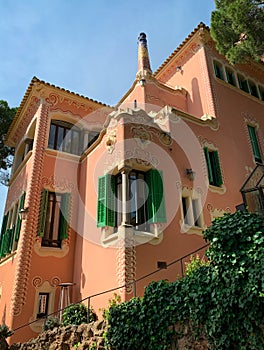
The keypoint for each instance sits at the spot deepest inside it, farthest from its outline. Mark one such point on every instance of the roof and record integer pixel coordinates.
(200, 26)
(35, 80)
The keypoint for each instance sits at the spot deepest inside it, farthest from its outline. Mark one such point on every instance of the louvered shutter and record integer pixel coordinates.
(217, 169)
(156, 209)
(3, 234)
(11, 234)
(43, 212)
(65, 216)
(19, 220)
(254, 143)
(106, 201)
(209, 166)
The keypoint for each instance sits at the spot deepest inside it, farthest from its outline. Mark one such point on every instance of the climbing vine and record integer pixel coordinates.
(223, 299)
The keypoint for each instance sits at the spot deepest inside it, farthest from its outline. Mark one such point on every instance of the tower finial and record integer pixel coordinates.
(143, 56)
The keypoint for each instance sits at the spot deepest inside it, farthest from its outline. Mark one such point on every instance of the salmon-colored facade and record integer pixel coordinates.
(110, 192)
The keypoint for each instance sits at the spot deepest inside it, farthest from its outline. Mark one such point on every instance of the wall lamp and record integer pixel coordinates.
(190, 174)
(23, 213)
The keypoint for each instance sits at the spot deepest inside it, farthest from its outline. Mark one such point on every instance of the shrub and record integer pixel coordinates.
(76, 314)
(50, 323)
(5, 332)
(195, 263)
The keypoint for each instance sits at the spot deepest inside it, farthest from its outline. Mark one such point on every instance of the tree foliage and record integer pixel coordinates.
(77, 314)
(6, 116)
(223, 300)
(237, 28)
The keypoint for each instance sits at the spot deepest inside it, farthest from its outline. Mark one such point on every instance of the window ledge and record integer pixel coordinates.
(60, 154)
(216, 189)
(192, 229)
(8, 257)
(50, 251)
(19, 168)
(111, 238)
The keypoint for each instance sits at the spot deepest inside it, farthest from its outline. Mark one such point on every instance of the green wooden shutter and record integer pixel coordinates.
(43, 212)
(10, 239)
(209, 166)
(3, 234)
(217, 169)
(65, 216)
(19, 220)
(156, 209)
(106, 201)
(254, 143)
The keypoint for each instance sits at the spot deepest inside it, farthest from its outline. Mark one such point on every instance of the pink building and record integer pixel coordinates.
(110, 193)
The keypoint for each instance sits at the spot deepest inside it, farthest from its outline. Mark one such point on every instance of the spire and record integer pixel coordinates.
(143, 56)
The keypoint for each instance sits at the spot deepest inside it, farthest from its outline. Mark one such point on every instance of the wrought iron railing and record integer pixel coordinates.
(133, 283)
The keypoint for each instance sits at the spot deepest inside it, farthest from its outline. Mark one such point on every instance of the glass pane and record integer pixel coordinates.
(196, 212)
(119, 202)
(67, 141)
(60, 136)
(52, 134)
(75, 142)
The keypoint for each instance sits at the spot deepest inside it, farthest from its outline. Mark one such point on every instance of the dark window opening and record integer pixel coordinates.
(92, 137)
(65, 137)
(213, 167)
(254, 143)
(145, 199)
(243, 83)
(253, 89)
(218, 69)
(230, 75)
(43, 305)
(53, 218)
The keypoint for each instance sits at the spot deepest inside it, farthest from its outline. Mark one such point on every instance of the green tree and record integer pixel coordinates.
(237, 28)
(6, 153)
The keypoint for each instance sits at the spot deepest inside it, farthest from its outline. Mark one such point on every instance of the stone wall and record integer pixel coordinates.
(85, 336)
(90, 337)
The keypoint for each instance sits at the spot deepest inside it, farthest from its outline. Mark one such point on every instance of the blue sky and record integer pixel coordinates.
(88, 46)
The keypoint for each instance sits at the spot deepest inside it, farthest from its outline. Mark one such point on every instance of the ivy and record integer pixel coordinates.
(223, 299)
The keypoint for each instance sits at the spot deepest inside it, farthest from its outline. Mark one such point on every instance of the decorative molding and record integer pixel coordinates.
(29, 226)
(57, 184)
(37, 281)
(110, 139)
(126, 260)
(27, 116)
(48, 251)
(217, 212)
(210, 108)
(59, 100)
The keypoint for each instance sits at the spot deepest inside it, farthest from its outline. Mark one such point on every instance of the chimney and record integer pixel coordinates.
(143, 56)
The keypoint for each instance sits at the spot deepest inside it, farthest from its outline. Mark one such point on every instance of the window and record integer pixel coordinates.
(213, 167)
(65, 137)
(145, 199)
(43, 303)
(92, 137)
(261, 92)
(191, 209)
(253, 89)
(230, 75)
(11, 227)
(218, 68)
(54, 215)
(254, 143)
(243, 83)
